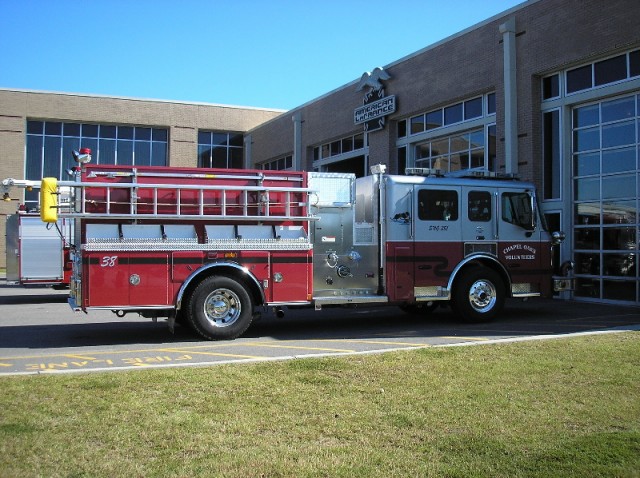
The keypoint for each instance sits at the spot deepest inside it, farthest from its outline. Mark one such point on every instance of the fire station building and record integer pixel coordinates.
(548, 90)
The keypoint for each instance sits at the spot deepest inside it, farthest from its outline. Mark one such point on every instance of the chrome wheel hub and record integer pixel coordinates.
(222, 307)
(482, 295)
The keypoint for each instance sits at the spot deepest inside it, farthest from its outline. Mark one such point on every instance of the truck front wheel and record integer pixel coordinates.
(479, 295)
(220, 308)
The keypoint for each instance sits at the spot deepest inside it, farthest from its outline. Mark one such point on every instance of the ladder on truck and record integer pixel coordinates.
(134, 194)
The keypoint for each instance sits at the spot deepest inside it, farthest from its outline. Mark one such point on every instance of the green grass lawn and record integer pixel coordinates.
(568, 407)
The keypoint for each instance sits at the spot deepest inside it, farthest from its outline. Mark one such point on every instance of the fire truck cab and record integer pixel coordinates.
(210, 247)
(470, 240)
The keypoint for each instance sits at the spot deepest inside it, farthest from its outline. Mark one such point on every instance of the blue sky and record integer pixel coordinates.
(268, 54)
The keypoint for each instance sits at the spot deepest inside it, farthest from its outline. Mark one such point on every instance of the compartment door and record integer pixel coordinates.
(40, 251)
(148, 278)
(291, 276)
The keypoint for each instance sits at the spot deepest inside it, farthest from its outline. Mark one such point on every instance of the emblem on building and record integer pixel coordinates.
(375, 105)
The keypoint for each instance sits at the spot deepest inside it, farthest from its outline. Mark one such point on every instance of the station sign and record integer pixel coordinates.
(375, 109)
(375, 105)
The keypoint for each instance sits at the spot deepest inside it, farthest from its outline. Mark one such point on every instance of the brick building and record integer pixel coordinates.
(549, 90)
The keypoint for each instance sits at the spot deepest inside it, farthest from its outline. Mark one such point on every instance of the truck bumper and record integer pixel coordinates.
(561, 284)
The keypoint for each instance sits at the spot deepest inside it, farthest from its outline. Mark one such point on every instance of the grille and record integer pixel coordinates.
(477, 247)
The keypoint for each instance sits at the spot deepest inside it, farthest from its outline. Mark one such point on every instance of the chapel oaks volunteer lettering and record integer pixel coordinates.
(519, 252)
(211, 249)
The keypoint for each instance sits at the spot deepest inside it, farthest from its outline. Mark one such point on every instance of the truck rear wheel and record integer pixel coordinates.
(479, 295)
(220, 308)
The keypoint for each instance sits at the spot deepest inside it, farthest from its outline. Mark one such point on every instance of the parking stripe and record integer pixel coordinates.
(79, 357)
(215, 354)
(375, 342)
(480, 339)
(299, 347)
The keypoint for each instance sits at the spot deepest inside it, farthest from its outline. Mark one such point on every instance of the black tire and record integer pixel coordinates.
(220, 308)
(478, 295)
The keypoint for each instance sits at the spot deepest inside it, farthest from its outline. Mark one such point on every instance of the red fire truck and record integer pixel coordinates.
(209, 248)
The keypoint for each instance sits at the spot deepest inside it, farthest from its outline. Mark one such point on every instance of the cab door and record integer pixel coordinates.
(479, 225)
(520, 246)
(437, 237)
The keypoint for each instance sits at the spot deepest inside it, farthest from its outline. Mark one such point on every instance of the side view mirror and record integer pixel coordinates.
(557, 237)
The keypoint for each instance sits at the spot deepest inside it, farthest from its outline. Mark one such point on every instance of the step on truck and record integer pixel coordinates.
(210, 248)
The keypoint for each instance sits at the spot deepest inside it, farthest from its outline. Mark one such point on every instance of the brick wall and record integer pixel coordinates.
(550, 35)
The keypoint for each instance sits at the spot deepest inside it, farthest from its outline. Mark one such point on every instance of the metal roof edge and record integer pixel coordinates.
(128, 98)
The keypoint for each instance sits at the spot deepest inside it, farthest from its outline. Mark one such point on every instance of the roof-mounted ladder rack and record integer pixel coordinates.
(184, 202)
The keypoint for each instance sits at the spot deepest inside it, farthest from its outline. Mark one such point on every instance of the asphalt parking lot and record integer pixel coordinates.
(40, 334)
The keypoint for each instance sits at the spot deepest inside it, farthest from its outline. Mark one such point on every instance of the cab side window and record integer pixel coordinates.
(437, 205)
(517, 209)
(479, 206)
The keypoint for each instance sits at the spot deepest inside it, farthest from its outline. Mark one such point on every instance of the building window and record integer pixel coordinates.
(355, 164)
(220, 150)
(450, 115)
(443, 139)
(417, 124)
(606, 188)
(345, 145)
(50, 143)
(492, 155)
(344, 155)
(452, 153)
(434, 120)
(402, 128)
(634, 63)
(602, 140)
(579, 79)
(604, 72)
(473, 109)
(491, 104)
(453, 114)
(610, 71)
(551, 87)
(280, 164)
(551, 154)
(402, 159)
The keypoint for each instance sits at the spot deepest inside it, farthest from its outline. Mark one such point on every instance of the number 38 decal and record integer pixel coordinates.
(108, 261)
